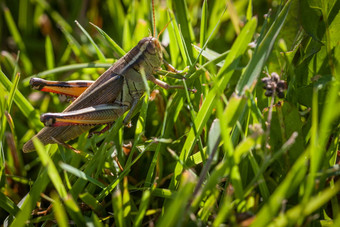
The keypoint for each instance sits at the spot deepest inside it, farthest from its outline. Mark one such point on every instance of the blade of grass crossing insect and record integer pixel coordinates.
(98, 51)
(140, 128)
(260, 57)
(112, 43)
(238, 48)
(51, 169)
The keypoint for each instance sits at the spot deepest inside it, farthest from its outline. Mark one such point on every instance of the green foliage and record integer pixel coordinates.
(225, 155)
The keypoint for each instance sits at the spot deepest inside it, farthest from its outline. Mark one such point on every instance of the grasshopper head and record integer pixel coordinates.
(152, 51)
(147, 55)
(156, 47)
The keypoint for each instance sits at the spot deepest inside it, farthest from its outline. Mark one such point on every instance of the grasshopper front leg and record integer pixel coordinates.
(167, 86)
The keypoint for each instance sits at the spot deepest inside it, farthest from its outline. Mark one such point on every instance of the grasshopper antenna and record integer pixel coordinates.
(153, 18)
(164, 28)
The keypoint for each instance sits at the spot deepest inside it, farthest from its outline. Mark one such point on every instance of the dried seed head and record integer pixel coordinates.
(273, 84)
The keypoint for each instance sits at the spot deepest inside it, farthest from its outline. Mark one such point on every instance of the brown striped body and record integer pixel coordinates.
(120, 85)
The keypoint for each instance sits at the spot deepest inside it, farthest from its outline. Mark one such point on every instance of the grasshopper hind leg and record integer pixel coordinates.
(94, 115)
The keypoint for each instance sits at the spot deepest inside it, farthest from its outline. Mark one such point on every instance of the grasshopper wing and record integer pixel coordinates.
(104, 90)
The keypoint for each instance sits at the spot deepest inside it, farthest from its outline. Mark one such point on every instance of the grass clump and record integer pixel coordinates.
(232, 153)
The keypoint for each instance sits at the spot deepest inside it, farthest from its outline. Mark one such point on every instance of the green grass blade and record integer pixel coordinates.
(260, 57)
(177, 210)
(203, 30)
(59, 211)
(12, 91)
(25, 106)
(203, 115)
(55, 15)
(51, 169)
(250, 9)
(30, 200)
(74, 211)
(293, 180)
(8, 205)
(75, 46)
(173, 29)
(182, 16)
(118, 209)
(302, 211)
(80, 174)
(94, 204)
(98, 51)
(67, 68)
(17, 38)
(112, 43)
(142, 208)
(49, 53)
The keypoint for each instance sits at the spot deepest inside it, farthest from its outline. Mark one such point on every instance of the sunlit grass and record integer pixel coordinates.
(226, 154)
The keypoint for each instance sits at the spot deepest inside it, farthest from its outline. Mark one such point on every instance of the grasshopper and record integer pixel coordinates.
(103, 101)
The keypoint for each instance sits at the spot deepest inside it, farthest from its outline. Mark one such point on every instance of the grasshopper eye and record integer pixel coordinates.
(151, 48)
